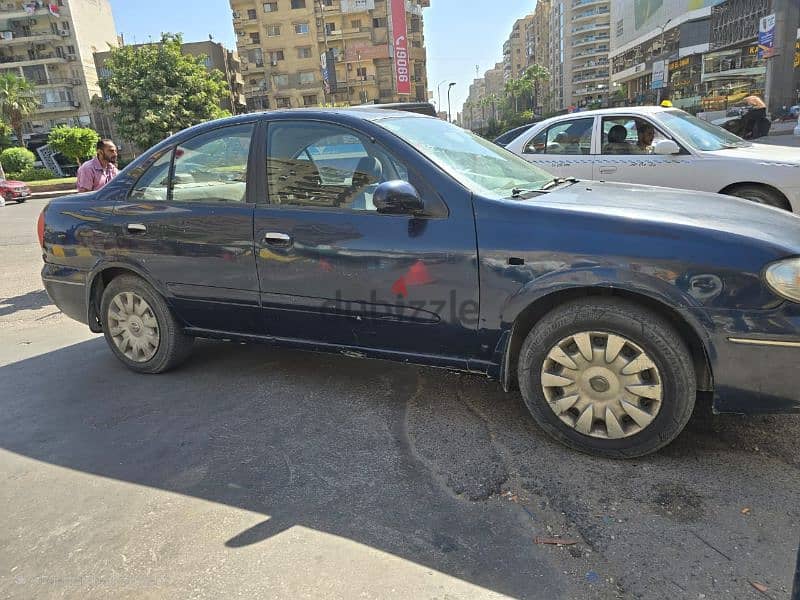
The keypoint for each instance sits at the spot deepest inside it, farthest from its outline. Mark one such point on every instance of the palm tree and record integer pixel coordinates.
(536, 74)
(493, 99)
(512, 89)
(17, 103)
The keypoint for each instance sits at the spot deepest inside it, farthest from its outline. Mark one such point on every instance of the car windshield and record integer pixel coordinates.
(699, 134)
(478, 164)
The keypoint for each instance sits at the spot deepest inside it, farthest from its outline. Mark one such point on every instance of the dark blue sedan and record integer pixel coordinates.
(383, 234)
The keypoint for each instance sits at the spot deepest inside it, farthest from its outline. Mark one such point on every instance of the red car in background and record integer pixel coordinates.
(18, 191)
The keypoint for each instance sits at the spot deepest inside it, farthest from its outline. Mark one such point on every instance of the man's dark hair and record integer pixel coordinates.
(102, 143)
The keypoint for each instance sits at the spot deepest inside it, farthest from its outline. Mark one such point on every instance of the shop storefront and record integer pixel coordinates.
(728, 76)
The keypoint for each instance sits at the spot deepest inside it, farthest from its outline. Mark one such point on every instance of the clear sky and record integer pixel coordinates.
(459, 34)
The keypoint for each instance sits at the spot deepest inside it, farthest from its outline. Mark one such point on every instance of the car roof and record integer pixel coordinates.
(628, 110)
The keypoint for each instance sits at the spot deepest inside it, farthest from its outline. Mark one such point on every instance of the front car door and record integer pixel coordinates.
(563, 149)
(625, 154)
(187, 223)
(333, 270)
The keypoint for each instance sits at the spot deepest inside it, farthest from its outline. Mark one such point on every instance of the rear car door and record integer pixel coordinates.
(631, 160)
(334, 270)
(563, 149)
(188, 224)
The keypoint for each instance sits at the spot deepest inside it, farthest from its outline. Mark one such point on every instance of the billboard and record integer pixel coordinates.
(766, 37)
(635, 18)
(354, 6)
(402, 63)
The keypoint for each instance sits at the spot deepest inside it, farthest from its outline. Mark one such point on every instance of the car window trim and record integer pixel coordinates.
(334, 210)
(153, 158)
(556, 124)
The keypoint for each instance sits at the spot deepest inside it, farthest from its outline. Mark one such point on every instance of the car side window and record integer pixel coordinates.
(153, 185)
(565, 137)
(629, 135)
(211, 167)
(322, 165)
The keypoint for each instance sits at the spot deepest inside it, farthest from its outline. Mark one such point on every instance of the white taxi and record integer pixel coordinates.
(664, 147)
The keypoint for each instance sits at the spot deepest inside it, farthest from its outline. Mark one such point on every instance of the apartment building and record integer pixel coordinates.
(217, 58)
(52, 45)
(515, 49)
(298, 53)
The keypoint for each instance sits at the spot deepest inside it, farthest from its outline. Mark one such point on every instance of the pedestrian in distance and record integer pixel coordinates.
(98, 172)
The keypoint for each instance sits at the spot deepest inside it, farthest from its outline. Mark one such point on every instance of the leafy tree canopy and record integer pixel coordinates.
(77, 143)
(155, 90)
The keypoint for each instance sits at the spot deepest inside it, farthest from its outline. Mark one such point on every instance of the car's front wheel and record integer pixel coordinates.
(607, 377)
(140, 328)
(761, 195)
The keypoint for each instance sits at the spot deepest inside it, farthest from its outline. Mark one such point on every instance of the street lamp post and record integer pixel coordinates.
(439, 91)
(661, 57)
(449, 87)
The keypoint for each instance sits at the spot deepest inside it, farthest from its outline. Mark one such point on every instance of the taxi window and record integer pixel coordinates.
(564, 137)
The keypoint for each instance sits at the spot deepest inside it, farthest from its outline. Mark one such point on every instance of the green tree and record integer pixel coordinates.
(16, 160)
(536, 75)
(77, 143)
(17, 103)
(155, 90)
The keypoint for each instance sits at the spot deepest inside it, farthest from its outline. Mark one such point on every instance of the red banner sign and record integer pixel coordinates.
(402, 64)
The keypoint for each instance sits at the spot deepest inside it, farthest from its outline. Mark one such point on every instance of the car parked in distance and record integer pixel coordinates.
(512, 134)
(685, 152)
(392, 235)
(13, 191)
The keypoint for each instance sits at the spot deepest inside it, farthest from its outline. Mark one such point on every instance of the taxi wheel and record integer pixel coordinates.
(140, 328)
(607, 377)
(760, 195)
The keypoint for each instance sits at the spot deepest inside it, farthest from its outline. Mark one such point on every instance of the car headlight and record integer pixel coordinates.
(784, 278)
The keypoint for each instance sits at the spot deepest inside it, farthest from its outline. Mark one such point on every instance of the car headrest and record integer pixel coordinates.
(369, 168)
(617, 135)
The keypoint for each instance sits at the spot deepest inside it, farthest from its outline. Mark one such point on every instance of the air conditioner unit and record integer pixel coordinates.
(76, 104)
(274, 63)
(236, 14)
(71, 57)
(64, 33)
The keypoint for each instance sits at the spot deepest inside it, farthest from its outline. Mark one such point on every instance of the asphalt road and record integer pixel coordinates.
(258, 472)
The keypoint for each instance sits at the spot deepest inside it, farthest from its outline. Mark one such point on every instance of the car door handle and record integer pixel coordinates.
(137, 228)
(607, 170)
(277, 239)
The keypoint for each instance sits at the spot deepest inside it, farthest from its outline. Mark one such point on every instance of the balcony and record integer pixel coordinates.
(590, 65)
(69, 81)
(587, 3)
(591, 27)
(34, 38)
(21, 15)
(9, 62)
(594, 39)
(599, 51)
(48, 107)
(345, 34)
(590, 91)
(591, 14)
(591, 77)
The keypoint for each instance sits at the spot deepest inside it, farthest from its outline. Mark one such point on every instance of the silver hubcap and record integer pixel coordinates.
(133, 327)
(602, 385)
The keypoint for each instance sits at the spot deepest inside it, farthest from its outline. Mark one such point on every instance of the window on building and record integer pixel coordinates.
(298, 3)
(328, 2)
(310, 100)
(283, 102)
(255, 38)
(416, 44)
(301, 28)
(208, 168)
(307, 77)
(273, 30)
(566, 137)
(270, 7)
(361, 73)
(380, 22)
(251, 14)
(281, 81)
(275, 55)
(70, 49)
(65, 25)
(255, 57)
(330, 28)
(326, 166)
(355, 24)
(304, 52)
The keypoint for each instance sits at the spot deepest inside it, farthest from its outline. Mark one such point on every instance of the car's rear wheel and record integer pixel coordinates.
(761, 195)
(140, 328)
(607, 377)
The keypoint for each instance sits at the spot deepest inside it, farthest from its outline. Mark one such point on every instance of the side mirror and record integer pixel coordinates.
(397, 198)
(666, 147)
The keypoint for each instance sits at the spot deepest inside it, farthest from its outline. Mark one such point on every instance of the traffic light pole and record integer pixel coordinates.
(780, 68)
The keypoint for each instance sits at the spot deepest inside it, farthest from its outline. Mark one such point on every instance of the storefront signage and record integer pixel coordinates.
(659, 75)
(766, 37)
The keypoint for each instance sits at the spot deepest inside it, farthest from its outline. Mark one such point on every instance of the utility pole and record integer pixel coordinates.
(449, 117)
(780, 68)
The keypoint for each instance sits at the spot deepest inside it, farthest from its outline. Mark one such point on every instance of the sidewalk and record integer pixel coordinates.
(786, 128)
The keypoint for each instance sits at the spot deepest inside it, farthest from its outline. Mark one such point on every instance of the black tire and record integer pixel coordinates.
(174, 345)
(20, 200)
(761, 195)
(650, 332)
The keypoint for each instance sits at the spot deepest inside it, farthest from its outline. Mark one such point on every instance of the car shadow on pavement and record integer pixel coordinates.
(29, 301)
(410, 461)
